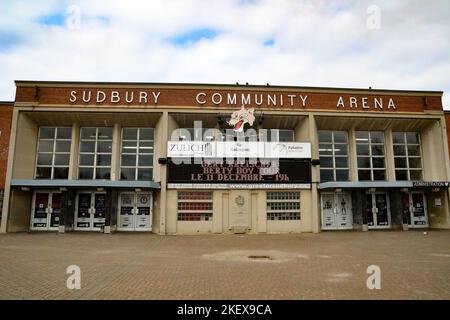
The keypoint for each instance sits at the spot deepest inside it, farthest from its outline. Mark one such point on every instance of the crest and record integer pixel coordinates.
(240, 117)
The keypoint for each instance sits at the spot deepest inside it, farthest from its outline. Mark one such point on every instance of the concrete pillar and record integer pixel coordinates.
(115, 159)
(315, 175)
(353, 158)
(163, 173)
(74, 154)
(389, 160)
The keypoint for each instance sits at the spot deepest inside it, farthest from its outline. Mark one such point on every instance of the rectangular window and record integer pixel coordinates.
(95, 153)
(53, 153)
(195, 206)
(283, 205)
(407, 155)
(136, 157)
(370, 151)
(275, 135)
(333, 153)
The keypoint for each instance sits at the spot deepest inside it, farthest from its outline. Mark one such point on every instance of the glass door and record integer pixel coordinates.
(382, 210)
(143, 218)
(126, 211)
(419, 217)
(55, 210)
(99, 211)
(378, 210)
(135, 211)
(83, 218)
(39, 220)
(46, 210)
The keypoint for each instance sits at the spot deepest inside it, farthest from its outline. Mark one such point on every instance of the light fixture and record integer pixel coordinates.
(25, 189)
(315, 162)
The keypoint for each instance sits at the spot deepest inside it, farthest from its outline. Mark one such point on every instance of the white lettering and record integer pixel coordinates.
(353, 102)
(391, 104)
(73, 96)
(246, 99)
(115, 96)
(271, 100)
(156, 96)
(101, 96)
(340, 103)
(292, 97)
(214, 100)
(378, 103)
(364, 103)
(231, 98)
(303, 98)
(142, 97)
(74, 280)
(127, 99)
(88, 98)
(197, 97)
(258, 103)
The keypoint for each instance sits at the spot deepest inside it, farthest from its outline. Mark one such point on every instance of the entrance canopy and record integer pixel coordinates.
(92, 184)
(381, 184)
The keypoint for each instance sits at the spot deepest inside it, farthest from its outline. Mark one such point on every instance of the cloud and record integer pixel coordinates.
(311, 43)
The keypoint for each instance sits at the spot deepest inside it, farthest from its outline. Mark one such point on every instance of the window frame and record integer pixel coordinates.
(283, 214)
(405, 144)
(54, 140)
(333, 155)
(371, 168)
(138, 141)
(95, 153)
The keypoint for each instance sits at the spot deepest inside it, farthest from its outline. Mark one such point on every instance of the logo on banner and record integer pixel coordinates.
(240, 117)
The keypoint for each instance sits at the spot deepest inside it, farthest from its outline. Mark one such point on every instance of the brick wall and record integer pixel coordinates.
(5, 128)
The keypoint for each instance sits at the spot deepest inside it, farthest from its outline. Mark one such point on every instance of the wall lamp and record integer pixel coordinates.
(315, 162)
(162, 160)
(220, 120)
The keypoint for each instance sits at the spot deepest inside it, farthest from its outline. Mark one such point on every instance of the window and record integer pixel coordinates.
(370, 155)
(283, 206)
(282, 135)
(195, 206)
(95, 153)
(207, 134)
(407, 156)
(333, 153)
(136, 159)
(53, 153)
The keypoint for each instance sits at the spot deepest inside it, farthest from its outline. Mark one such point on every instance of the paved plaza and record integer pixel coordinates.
(329, 265)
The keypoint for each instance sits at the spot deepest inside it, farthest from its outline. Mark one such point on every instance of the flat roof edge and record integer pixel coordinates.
(187, 84)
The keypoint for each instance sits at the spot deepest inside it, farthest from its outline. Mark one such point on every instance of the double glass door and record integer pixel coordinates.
(90, 211)
(135, 211)
(415, 209)
(378, 210)
(336, 211)
(46, 210)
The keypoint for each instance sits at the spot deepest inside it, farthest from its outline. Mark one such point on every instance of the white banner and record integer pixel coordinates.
(239, 149)
(287, 150)
(191, 149)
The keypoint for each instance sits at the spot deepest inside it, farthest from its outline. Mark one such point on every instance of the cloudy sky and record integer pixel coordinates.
(382, 44)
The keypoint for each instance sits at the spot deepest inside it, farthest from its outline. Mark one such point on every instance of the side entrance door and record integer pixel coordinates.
(415, 207)
(46, 210)
(336, 211)
(135, 211)
(90, 211)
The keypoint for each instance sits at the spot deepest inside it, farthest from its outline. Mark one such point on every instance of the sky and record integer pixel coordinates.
(381, 44)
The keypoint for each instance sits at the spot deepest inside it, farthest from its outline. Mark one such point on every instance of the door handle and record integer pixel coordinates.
(50, 210)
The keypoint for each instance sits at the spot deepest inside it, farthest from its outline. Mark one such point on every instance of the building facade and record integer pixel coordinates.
(197, 158)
